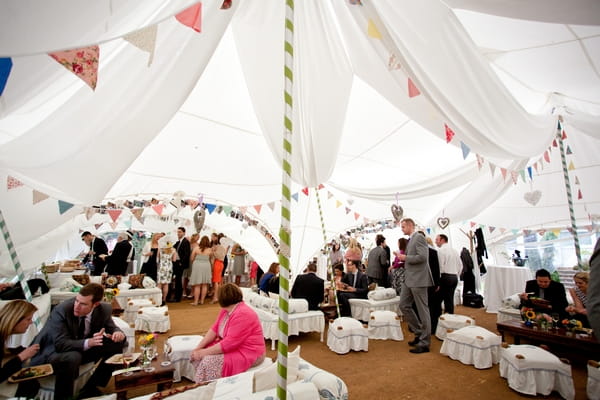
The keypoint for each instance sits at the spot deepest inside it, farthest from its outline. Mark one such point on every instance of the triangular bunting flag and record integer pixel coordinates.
(257, 208)
(113, 225)
(571, 166)
(128, 223)
(39, 196)
(492, 169)
(514, 175)
(556, 232)
(295, 196)
(502, 230)
(514, 231)
(5, 67)
(321, 186)
(329, 195)
(535, 165)
(81, 62)
(227, 210)
(305, 191)
(191, 16)
(530, 173)
(558, 126)
(356, 216)
(503, 171)
(564, 135)
(465, 151)
(226, 5)
(449, 133)
(271, 205)
(158, 208)
(137, 213)
(63, 207)
(114, 214)
(97, 226)
(89, 212)
(577, 180)
(243, 210)
(372, 30)
(12, 183)
(412, 89)
(393, 64)
(554, 144)
(210, 207)
(338, 204)
(472, 224)
(145, 40)
(348, 210)
(479, 160)
(522, 173)
(569, 152)
(492, 228)
(547, 156)
(579, 194)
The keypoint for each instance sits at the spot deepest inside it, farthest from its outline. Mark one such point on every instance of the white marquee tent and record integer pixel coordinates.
(203, 115)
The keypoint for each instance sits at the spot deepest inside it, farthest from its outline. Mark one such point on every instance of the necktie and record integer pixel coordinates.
(354, 280)
(81, 329)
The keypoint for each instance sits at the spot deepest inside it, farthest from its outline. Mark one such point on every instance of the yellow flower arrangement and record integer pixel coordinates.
(530, 314)
(147, 340)
(109, 294)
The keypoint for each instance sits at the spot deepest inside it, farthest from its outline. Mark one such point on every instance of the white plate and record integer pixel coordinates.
(118, 358)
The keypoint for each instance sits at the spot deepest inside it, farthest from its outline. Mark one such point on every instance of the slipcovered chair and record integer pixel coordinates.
(451, 322)
(379, 299)
(531, 370)
(133, 306)
(385, 325)
(153, 319)
(347, 334)
(593, 380)
(473, 345)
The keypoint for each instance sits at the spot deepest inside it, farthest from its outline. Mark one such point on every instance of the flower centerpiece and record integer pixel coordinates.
(535, 319)
(110, 294)
(572, 325)
(528, 316)
(148, 345)
(543, 320)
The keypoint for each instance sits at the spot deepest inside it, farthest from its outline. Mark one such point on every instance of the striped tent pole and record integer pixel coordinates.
(329, 266)
(17, 264)
(563, 159)
(285, 232)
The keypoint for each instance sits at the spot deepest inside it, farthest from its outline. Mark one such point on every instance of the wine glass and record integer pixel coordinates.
(167, 349)
(151, 354)
(127, 360)
(555, 319)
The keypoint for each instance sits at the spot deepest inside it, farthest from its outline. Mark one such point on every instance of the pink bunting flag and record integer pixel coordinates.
(258, 208)
(321, 186)
(554, 144)
(514, 175)
(449, 133)
(579, 194)
(243, 209)
(81, 62)
(329, 195)
(473, 224)
(114, 214)
(413, 91)
(503, 171)
(191, 16)
(158, 208)
(479, 160)
(393, 63)
(97, 226)
(535, 165)
(547, 156)
(305, 191)
(356, 216)
(12, 183)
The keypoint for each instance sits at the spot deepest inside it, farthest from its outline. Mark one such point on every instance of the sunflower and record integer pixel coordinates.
(529, 314)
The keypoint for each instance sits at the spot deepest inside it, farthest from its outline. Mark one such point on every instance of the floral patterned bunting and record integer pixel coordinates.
(12, 183)
(449, 133)
(81, 62)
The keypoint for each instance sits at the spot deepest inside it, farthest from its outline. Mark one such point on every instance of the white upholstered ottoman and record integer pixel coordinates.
(133, 306)
(385, 325)
(153, 319)
(181, 348)
(347, 334)
(473, 345)
(451, 322)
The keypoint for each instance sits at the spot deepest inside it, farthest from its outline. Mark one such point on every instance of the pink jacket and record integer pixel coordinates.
(243, 342)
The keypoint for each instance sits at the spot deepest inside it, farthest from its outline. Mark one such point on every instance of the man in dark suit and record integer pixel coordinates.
(310, 287)
(433, 292)
(544, 287)
(116, 263)
(354, 285)
(78, 331)
(97, 248)
(184, 250)
(378, 262)
(593, 293)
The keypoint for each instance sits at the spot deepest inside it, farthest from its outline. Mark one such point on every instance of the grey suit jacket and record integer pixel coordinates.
(377, 263)
(60, 332)
(416, 266)
(593, 292)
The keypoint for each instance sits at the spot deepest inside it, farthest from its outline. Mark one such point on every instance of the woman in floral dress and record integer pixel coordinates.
(165, 270)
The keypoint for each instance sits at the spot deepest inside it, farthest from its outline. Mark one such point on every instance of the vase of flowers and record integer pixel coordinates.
(572, 325)
(148, 347)
(110, 294)
(543, 320)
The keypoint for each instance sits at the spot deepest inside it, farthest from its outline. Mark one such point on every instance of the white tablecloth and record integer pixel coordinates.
(503, 281)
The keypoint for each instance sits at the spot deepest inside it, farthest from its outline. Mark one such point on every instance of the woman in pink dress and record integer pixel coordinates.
(234, 343)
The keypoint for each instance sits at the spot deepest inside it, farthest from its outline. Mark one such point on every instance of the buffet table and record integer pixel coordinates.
(503, 281)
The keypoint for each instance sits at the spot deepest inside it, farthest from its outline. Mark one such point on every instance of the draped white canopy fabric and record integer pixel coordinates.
(206, 116)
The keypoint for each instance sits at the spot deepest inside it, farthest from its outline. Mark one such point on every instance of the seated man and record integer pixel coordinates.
(78, 331)
(13, 291)
(545, 288)
(354, 285)
(310, 287)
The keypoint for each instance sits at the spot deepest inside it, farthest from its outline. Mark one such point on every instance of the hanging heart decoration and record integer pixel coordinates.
(533, 197)
(199, 217)
(397, 212)
(443, 222)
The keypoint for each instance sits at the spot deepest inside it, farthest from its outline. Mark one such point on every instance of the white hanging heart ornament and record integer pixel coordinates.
(533, 197)
(397, 212)
(199, 216)
(443, 222)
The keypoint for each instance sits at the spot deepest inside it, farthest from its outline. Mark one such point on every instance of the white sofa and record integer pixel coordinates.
(300, 319)
(43, 304)
(380, 299)
(511, 307)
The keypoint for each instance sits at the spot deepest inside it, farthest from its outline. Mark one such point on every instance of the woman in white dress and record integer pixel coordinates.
(201, 275)
(165, 270)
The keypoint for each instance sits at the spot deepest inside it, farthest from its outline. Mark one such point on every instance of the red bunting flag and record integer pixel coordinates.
(413, 91)
(356, 216)
(547, 156)
(114, 214)
(305, 191)
(81, 62)
(503, 171)
(579, 195)
(554, 144)
(564, 135)
(321, 186)
(226, 5)
(473, 224)
(258, 208)
(449, 133)
(12, 183)
(191, 17)
(158, 208)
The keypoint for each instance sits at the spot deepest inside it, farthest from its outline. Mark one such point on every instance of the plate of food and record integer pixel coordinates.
(118, 359)
(25, 374)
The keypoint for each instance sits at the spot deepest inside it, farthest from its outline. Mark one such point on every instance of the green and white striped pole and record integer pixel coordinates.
(329, 266)
(285, 232)
(17, 264)
(563, 159)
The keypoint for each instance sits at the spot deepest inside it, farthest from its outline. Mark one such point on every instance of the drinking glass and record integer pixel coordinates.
(167, 349)
(151, 354)
(127, 360)
(555, 319)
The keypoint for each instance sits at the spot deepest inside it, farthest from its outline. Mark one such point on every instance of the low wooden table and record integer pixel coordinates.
(576, 347)
(329, 310)
(162, 377)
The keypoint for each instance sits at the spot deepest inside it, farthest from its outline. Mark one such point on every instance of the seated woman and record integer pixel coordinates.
(15, 317)
(579, 295)
(265, 284)
(234, 343)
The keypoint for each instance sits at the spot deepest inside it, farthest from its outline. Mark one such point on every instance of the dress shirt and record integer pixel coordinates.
(449, 260)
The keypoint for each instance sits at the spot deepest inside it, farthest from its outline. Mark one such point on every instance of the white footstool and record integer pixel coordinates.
(153, 319)
(128, 331)
(133, 306)
(181, 348)
(531, 370)
(473, 345)
(451, 322)
(347, 334)
(593, 380)
(385, 325)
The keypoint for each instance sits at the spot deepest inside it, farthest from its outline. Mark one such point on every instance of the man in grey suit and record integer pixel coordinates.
(78, 331)
(417, 278)
(378, 262)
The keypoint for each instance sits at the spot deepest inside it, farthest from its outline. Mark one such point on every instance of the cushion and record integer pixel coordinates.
(148, 283)
(70, 284)
(296, 306)
(382, 294)
(111, 281)
(265, 303)
(81, 279)
(513, 301)
(136, 281)
(124, 286)
(266, 378)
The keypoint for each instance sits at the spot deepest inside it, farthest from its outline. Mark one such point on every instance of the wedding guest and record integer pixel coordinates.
(97, 249)
(201, 270)
(15, 317)
(219, 252)
(337, 255)
(253, 271)
(188, 271)
(543, 287)
(310, 287)
(354, 251)
(166, 256)
(150, 260)
(265, 284)
(13, 291)
(239, 263)
(397, 268)
(116, 262)
(234, 343)
(579, 296)
(593, 293)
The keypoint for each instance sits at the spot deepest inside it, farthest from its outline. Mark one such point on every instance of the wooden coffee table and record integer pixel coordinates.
(162, 377)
